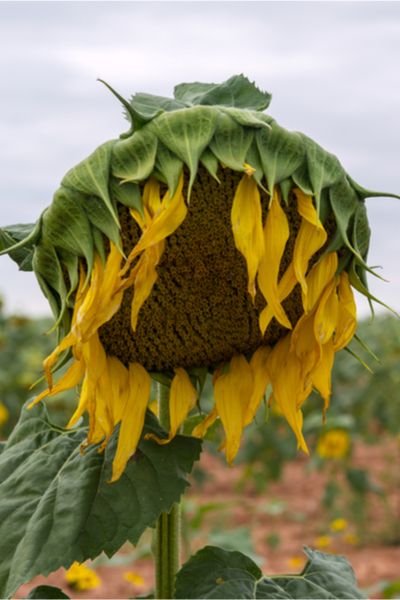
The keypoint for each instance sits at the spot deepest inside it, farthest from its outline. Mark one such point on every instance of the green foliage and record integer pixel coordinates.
(54, 497)
(23, 346)
(46, 591)
(217, 573)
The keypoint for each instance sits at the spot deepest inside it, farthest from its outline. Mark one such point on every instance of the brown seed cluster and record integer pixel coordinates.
(199, 312)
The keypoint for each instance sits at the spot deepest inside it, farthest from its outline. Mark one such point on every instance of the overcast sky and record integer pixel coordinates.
(333, 69)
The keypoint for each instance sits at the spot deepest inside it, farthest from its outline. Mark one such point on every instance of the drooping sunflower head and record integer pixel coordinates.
(206, 237)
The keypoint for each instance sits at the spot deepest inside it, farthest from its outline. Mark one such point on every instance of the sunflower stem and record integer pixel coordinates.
(166, 542)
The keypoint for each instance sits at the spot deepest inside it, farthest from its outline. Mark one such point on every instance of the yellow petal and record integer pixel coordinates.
(326, 315)
(310, 238)
(258, 364)
(82, 404)
(171, 214)
(285, 287)
(247, 230)
(119, 378)
(182, 398)
(145, 278)
(71, 378)
(201, 429)
(321, 375)
(347, 321)
(151, 197)
(232, 392)
(318, 278)
(289, 390)
(132, 418)
(304, 344)
(276, 234)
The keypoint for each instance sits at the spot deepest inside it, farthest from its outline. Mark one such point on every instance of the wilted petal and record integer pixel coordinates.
(321, 375)
(346, 322)
(232, 391)
(310, 238)
(71, 378)
(182, 398)
(289, 389)
(276, 234)
(247, 229)
(133, 417)
(145, 278)
(258, 364)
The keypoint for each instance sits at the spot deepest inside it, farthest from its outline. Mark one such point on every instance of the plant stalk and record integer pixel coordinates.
(166, 542)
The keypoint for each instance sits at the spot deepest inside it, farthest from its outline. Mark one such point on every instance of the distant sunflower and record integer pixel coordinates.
(206, 237)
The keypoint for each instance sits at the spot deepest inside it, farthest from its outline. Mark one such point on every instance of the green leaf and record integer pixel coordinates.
(324, 169)
(361, 230)
(231, 142)
(210, 162)
(66, 226)
(99, 216)
(148, 106)
(133, 158)
(127, 194)
(344, 204)
(237, 91)
(18, 242)
(186, 133)
(281, 153)
(91, 176)
(217, 573)
(53, 497)
(46, 264)
(47, 592)
(247, 118)
(169, 166)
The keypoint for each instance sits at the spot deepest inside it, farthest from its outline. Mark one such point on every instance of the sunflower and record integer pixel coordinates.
(205, 239)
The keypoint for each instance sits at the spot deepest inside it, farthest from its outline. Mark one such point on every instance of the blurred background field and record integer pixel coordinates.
(344, 498)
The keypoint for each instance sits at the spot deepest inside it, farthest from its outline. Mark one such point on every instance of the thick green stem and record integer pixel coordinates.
(166, 544)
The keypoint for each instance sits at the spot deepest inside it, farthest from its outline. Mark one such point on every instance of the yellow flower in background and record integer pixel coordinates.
(334, 444)
(210, 239)
(323, 541)
(4, 414)
(134, 578)
(338, 525)
(81, 577)
(296, 562)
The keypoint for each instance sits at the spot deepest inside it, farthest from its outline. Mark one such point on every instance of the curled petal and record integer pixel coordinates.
(310, 238)
(182, 398)
(232, 391)
(132, 417)
(289, 388)
(258, 364)
(347, 322)
(247, 230)
(276, 234)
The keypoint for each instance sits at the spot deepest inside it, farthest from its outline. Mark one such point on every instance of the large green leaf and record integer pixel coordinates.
(91, 176)
(217, 573)
(237, 91)
(56, 504)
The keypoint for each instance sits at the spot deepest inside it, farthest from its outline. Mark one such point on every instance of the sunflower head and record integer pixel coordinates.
(206, 238)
